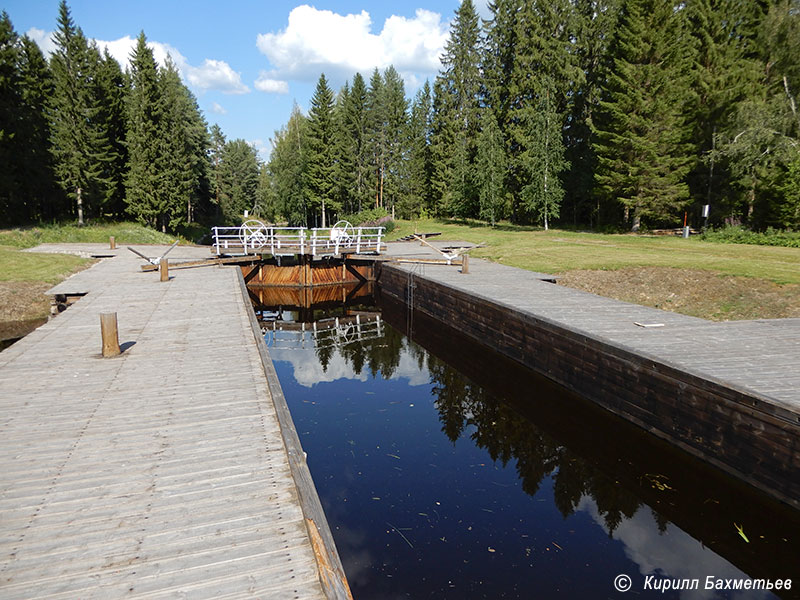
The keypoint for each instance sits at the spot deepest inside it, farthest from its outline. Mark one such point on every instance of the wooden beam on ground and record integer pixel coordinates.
(209, 262)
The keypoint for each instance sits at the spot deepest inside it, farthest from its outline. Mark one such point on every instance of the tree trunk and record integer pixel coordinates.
(80, 206)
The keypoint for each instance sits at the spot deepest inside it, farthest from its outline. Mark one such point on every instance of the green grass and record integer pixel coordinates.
(31, 266)
(124, 233)
(556, 251)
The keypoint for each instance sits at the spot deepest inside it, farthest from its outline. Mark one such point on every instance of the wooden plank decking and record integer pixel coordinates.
(160, 473)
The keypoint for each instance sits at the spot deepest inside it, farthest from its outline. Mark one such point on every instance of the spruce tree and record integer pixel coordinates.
(77, 143)
(319, 155)
(396, 123)
(35, 177)
(376, 119)
(593, 24)
(543, 72)
(217, 146)
(420, 159)
(727, 74)
(109, 91)
(643, 139)
(175, 161)
(343, 160)
(456, 92)
(10, 98)
(143, 186)
(239, 175)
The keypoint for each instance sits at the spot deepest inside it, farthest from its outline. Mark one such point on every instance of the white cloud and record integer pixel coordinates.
(308, 370)
(262, 148)
(43, 39)
(673, 554)
(218, 109)
(211, 75)
(215, 75)
(265, 83)
(321, 40)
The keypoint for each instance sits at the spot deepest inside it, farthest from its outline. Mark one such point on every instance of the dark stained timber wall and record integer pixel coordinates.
(753, 440)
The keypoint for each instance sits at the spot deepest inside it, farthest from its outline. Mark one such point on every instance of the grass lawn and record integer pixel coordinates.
(704, 279)
(558, 251)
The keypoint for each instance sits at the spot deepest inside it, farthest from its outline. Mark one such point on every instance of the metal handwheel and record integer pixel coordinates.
(253, 234)
(342, 233)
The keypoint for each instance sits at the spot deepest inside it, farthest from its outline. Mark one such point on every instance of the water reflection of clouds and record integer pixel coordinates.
(673, 554)
(308, 370)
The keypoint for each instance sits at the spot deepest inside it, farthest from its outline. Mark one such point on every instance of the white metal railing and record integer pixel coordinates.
(254, 237)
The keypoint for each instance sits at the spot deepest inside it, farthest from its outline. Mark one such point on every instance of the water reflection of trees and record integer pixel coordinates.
(380, 355)
(507, 436)
(465, 407)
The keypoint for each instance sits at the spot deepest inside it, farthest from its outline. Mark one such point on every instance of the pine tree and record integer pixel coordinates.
(319, 156)
(144, 197)
(642, 144)
(490, 166)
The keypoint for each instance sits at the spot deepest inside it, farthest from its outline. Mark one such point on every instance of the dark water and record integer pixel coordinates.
(446, 471)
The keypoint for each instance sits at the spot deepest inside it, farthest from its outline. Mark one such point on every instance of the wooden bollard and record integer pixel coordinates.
(112, 243)
(108, 329)
(465, 264)
(163, 268)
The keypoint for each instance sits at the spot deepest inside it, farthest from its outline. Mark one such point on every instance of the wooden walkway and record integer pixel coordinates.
(760, 356)
(164, 472)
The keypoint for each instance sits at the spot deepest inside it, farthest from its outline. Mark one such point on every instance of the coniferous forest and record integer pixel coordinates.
(608, 114)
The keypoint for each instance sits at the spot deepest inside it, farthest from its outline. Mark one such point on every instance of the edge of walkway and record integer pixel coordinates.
(332, 575)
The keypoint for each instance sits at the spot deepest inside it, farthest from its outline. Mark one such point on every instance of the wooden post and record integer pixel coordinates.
(110, 334)
(465, 264)
(112, 243)
(163, 268)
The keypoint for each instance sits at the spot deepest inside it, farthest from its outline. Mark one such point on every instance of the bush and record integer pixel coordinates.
(737, 234)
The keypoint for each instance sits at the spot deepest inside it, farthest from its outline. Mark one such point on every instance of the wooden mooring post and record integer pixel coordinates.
(465, 264)
(112, 243)
(110, 334)
(163, 268)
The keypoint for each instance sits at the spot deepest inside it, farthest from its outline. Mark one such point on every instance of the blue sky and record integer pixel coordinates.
(247, 62)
